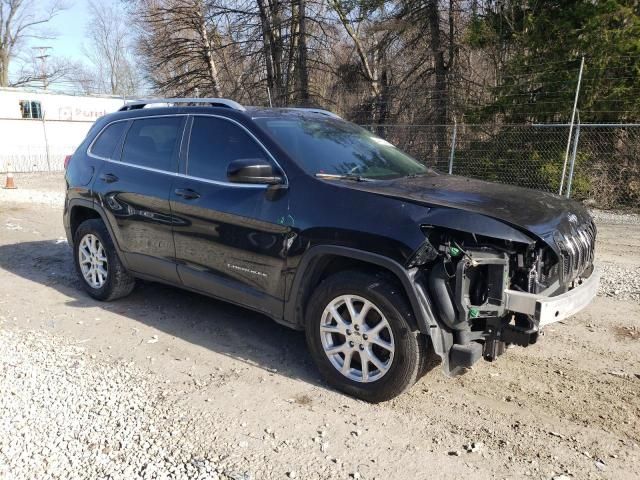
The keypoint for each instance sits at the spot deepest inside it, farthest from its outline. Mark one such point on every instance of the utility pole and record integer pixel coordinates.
(45, 83)
(43, 55)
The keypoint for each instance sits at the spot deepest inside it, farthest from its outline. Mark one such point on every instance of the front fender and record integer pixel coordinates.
(305, 273)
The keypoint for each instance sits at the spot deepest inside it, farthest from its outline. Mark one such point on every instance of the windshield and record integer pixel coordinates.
(333, 146)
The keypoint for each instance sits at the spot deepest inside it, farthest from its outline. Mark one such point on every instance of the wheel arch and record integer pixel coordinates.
(81, 209)
(321, 261)
(79, 214)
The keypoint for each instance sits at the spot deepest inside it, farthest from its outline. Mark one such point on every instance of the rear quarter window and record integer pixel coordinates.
(105, 145)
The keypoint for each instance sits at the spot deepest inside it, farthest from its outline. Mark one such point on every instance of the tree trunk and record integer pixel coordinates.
(303, 71)
(267, 40)
(211, 64)
(4, 69)
(277, 49)
(294, 32)
(382, 108)
(440, 69)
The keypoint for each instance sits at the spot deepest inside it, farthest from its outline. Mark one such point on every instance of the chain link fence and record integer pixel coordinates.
(607, 166)
(602, 161)
(38, 145)
(35, 158)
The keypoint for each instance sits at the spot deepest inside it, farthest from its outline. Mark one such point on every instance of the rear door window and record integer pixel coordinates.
(215, 143)
(106, 143)
(154, 143)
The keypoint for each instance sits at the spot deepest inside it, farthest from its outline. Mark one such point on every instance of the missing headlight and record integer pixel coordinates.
(481, 279)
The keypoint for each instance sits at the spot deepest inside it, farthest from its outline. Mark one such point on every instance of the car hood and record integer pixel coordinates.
(540, 213)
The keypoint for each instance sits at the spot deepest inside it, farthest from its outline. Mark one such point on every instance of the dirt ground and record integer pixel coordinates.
(567, 407)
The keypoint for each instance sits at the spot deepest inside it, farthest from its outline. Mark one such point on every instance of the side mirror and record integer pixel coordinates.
(252, 170)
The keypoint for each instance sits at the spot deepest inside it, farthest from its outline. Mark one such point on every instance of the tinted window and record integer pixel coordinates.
(153, 142)
(107, 141)
(214, 144)
(328, 145)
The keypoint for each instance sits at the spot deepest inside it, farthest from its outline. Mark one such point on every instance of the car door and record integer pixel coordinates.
(230, 238)
(134, 192)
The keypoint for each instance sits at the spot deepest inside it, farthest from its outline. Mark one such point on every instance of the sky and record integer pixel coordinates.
(69, 27)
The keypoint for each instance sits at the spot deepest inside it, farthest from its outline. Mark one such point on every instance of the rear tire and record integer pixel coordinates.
(393, 352)
(101, 273)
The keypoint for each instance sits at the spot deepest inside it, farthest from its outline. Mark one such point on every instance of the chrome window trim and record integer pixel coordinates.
(95, 139)
(182, 175)
(189, 177)
(93, 155)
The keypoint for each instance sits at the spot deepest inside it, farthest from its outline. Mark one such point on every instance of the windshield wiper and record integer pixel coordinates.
(346, 176)
(416, 175)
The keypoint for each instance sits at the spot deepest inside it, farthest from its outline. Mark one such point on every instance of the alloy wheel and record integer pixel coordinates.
(357, 338)
(93, 261)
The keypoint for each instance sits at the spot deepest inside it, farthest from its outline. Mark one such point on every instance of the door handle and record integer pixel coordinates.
(187, 193)
(108, 178)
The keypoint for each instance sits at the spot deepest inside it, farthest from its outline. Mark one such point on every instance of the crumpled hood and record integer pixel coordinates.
(537, 212)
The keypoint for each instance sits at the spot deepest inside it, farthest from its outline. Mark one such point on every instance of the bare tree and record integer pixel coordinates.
(35, 71)
(21, 20)
(109, 48)
(362, 50)
(180, 43)
(374, 62)
(254, 50)
(82, 78)
(371, 32)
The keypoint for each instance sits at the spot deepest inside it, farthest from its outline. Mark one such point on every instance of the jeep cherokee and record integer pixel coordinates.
(327, 228)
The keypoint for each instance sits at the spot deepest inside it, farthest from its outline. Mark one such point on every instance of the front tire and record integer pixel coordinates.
(359, 336)
(101, 273)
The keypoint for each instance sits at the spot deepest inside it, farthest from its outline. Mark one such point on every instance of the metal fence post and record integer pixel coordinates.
(573, 115)
(576, 139)
(46, 142)
(453, 147)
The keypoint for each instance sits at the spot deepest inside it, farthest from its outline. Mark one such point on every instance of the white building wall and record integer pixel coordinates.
(29, 145)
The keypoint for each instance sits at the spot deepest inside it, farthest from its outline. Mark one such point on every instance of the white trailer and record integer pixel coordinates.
(39, 128)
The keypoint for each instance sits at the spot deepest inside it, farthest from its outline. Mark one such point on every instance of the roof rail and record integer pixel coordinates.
(214, 102)
(320, 111)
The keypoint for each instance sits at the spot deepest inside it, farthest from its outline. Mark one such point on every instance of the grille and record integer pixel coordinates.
(577, 250)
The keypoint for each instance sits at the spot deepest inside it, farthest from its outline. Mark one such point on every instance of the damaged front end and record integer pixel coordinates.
(486, 293)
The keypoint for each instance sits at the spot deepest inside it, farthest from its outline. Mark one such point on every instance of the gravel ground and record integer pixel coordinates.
(35, 188)
(620, 282)
(65, 415)
(169, 384)
(615, 218)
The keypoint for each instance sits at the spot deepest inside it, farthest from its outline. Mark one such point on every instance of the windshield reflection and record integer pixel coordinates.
(333, 146)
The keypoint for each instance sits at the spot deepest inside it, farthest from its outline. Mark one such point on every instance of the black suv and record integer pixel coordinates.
(326, 228)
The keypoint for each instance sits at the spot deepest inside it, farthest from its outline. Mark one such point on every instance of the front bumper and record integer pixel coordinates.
(547, 309)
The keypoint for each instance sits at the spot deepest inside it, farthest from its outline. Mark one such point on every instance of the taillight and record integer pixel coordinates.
(67, 159)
